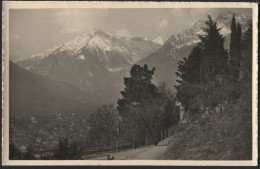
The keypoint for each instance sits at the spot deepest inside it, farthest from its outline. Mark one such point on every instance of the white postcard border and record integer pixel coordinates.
(59, 4)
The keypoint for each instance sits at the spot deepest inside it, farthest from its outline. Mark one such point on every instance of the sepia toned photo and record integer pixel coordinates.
(120, 83)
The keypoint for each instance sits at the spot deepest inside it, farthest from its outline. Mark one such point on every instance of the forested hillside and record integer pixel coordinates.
(215, 88)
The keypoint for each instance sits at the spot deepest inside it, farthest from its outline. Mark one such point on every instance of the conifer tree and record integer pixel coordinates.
(215, 56)
(232, 49)
(247, 52)
(238, 56)
(202, 73)
(214, 62)
(140, 103)
(138, 87)
(189, 72)
(235, 49)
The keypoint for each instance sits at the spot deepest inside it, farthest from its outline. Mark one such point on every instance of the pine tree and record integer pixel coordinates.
(214, 62)
(215, 56)
(140, 103)
(238, 59)
(202, 73)
(235, 49)
(247, 52)
(170, 115)
(232, 49)
(190, 85)
(138, 87)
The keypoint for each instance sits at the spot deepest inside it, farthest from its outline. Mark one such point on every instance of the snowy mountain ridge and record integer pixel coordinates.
(104, 46)
(190, 36)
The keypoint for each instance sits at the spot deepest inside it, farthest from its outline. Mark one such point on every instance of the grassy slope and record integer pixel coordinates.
(215, 136)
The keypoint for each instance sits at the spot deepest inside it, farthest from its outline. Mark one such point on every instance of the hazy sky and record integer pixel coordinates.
(33, 31)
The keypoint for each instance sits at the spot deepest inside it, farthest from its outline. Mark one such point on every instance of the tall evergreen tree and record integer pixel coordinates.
(214, 62)
(246, 60)
(235, 49)
(189, 72)
(202, 73)
(138, 87)
(238, 58)
(232, 48)
(215, 55)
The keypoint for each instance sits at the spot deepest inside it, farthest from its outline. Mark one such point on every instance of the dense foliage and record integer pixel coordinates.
(207, 77)
(217, 93)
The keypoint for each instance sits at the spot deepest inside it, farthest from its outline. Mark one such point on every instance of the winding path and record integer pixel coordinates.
(143, 153)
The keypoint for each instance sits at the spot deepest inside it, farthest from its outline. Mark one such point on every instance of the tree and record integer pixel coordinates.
(214, 62)
(190, 83)
(13, 151)
(170, 114)
(235, 49)
(140, 103)
(63, 150)
(138, 87)
(232, 49)
(202, 74)
(67, 151)
(215, 56)
(246, 59)
(29, 153)
(105, 125)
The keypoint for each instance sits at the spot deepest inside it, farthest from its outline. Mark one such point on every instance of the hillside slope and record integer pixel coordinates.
(226, 135)
(33, 95)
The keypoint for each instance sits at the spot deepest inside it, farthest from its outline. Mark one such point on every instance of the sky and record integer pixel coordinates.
(33, 31)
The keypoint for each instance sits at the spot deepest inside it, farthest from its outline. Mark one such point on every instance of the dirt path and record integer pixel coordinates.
(143, 153)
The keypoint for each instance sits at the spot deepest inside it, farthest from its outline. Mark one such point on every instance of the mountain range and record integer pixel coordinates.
(96, 62)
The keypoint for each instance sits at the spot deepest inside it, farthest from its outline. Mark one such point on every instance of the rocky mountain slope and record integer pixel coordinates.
(93, 62)
(111, 52)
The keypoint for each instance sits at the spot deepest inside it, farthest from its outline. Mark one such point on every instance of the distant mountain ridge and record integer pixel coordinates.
(104, 46)
(190, 36)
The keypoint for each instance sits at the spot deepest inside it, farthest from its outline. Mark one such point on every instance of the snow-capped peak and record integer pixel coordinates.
(159, 40)
(98, 42)
(107, 48)
(73, 46)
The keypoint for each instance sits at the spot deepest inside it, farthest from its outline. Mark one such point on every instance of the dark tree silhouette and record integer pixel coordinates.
(235, 49)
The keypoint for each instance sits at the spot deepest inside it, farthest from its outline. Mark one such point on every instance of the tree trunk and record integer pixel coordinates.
(146, 141)
(116, 145)
(201, 81)
(133, 142)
